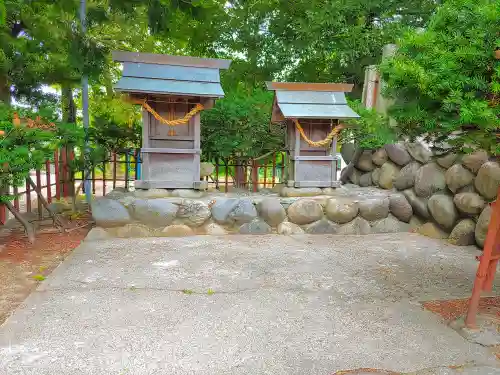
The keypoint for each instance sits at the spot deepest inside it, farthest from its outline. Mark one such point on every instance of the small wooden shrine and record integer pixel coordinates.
(172, 90)
(313, 113)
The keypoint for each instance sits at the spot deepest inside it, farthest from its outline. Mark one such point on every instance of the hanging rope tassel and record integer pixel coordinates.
(323, 143)
(181, 121)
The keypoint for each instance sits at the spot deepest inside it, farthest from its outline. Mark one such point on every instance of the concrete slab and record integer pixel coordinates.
(244, 305)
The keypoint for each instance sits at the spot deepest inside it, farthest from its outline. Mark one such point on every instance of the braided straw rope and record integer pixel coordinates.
(324, 142)
(181, 121)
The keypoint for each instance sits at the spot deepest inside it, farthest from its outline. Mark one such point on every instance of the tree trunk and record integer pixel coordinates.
(68, 108)
(58, 220)
(28, 227)
(5, 95)
(344, 177)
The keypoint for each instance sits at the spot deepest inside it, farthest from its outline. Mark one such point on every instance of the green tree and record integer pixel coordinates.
(444, 80)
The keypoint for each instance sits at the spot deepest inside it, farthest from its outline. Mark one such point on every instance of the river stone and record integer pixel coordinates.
(406, 177)
(379, 157)
(133, 230)
(374, 208)
(429, 180)
(271, 210)
(469, 203)
(432, 230)
(443, 210)
(116, 193)
(488, 180)
(358, 226)
(154, 212)
(388, 173)
(322, 226)
(109, 213)
(151, 193)
(193, 213)
(419, 152)
(365, 180)
(206, 169)
(341, 210)
(127, 200)
(463, 233)
(222, 208)
(418, 204)
(475, 160)
(375, 176)
(177, 230)
(400, 207)
(467, 189)
(355, 176)
(365, 162)
(482, 226)
(256, 226)
(288, 229)
(243, 212)
(188, 193)
(415, 223)
(398, 154)
(214, 229)
(300, 192)
(389, 225)
(347, 151)
(305, 211)
(97, 234)
(457, 177)
(447, 161)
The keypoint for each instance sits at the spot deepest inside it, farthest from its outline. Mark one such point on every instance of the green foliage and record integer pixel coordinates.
(371, 131)
(239, 125)
(444, 79)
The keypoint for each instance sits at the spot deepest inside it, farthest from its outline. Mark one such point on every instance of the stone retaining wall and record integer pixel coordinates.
(449, 194)
(158, 212)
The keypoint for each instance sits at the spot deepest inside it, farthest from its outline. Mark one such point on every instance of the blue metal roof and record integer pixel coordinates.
(163, 74)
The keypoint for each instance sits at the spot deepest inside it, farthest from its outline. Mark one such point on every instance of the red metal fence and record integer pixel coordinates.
(121, 169)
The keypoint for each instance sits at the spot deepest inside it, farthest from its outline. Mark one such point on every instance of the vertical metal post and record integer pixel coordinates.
(85, 102)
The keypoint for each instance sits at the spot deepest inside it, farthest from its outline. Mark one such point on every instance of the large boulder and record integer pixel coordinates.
(214, 229)
(154, 212)
(418, 204)
(365, 179)
(406, 177)
(398, 154)
(256, 226)
(469, 203)
(432, 230)
(419, 152)
(463, 233)
(415, 223)
(429, 180)
(443, 210)
(109, 213)
(365, 162)
(379, 157)
(305, 211)
(188, 193)
(300, 192)
(134, 230)
(341, 210)
(358, 226)
(389, 225)
(347, 151)
(457, 177)
(482, 226)
(206, 169)
(193, 213)
(475, 160)
(447, 160)
(322, 226)
(271, 210)
(400, 207)
(151, 193)
(243, 212)
(374, 208)
(222, 208)
(388, 173)
(467, 189)
(376, 176)
(177, 230)
(286, 228)
(355, 176)
(488, 180)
